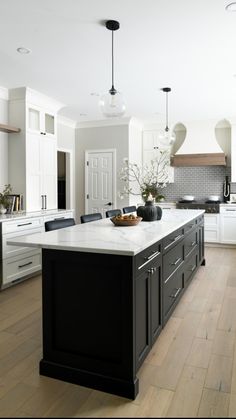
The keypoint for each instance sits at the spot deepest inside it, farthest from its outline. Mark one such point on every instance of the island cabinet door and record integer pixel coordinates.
(147, 310)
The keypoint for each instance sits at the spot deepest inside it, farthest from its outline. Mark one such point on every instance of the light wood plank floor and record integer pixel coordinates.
(190, 372)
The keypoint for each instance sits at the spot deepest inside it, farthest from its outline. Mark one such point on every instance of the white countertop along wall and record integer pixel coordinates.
(103, 237)
(24, 214)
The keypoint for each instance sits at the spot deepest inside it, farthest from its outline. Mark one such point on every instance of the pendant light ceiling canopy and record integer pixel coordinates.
(112, 103)
(166, 138)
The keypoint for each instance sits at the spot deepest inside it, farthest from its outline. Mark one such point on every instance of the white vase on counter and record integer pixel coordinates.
(3, 210)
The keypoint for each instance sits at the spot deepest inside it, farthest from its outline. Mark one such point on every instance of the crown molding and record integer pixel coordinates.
(35, 97)
(66, 121)
(104, 123)
(4, 93)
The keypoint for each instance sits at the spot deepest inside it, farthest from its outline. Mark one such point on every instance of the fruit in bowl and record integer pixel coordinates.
(126, 220)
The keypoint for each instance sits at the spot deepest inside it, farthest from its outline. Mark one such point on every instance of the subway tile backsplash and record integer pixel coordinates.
(200, 181)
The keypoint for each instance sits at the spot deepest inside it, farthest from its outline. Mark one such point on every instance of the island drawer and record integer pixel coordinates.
(170, 241)
(190, 243)
(146, 257)
(172, 260)
(172, 290)
(190, 226)
(190, 266)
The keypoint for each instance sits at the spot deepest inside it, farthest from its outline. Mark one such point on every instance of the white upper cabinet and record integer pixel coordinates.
(151, 150)
(41, 121)
(33, 152)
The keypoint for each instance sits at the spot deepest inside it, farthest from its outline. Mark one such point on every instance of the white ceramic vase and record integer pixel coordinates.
(3, 210)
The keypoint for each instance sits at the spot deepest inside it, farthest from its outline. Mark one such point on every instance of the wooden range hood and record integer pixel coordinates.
(198, 159)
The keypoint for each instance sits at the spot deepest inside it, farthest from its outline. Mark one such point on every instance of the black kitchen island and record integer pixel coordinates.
(108, 292)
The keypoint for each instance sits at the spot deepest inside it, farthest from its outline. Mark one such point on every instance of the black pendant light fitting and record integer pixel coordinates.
(112, 25)
(165, 136)
(112, 103)
(166, 90)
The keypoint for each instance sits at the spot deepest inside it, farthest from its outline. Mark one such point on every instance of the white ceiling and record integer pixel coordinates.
(188, 45)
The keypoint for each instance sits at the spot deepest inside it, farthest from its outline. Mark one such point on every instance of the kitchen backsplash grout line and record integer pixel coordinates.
(200, 181)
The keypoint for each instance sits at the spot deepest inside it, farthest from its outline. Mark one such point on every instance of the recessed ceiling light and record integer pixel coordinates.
(231, 7)
(83, 114)
(23, 50)
(94, 94)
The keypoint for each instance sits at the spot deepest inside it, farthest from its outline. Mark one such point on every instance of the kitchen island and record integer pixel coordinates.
(108, 292)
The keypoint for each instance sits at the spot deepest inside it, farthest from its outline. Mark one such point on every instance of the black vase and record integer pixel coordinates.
(149, 212)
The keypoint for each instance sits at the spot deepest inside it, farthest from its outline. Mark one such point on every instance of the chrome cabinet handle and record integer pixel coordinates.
(193, 243)
(174, 240)
(153, 255)
(149, 258)
(152, 270)
(177, 261)
(177, 292)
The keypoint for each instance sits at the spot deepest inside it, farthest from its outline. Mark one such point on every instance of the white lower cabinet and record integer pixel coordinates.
(212, 228)
(15, 268)
(19, 262)
(228, 225)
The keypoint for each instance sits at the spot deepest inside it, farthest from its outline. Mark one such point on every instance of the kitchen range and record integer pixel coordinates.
(210, 207)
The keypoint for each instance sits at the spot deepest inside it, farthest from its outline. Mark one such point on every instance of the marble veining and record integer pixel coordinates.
(103, 237)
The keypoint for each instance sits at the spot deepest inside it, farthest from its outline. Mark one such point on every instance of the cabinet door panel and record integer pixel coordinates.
(142, 317)
(155, 285)
(49, 171)
(33, 173)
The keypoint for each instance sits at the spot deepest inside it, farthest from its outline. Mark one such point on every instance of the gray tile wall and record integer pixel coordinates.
(199, 181)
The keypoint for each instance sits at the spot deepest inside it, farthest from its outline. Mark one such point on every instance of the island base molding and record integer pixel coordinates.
(87, 379)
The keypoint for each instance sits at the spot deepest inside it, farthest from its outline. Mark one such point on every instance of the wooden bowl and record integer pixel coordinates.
(125, 223)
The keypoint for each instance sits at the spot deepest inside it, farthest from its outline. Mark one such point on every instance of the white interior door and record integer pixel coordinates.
(99, 179)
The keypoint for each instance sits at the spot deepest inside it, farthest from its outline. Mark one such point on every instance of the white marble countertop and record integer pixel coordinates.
(103, 237)
(24, 214)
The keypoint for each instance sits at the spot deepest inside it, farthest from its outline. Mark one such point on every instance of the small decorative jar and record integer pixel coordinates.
(149, 211)
(3, 210)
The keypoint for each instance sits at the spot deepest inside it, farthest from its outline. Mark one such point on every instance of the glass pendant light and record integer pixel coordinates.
(166, 138)
(112, 103)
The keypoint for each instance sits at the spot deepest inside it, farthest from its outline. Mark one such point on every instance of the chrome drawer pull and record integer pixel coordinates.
(152, 270)
(177, 261)
(193, 244)
(177, 292)
(174, 240)
(26, 264)
(59, 218)
(177, 237)
(149, 258)
(25, 224)
(153, 255)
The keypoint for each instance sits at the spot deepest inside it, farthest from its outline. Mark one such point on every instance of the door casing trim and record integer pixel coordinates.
(102, 151)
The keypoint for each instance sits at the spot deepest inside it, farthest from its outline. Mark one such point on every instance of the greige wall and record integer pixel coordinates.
(94, 138)
(66, 142)
(3, 145)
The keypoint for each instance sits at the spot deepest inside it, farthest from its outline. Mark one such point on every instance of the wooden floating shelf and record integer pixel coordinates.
(7, 128)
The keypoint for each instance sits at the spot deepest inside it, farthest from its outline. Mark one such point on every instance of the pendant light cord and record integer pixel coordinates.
(166, 128)
(112, 90)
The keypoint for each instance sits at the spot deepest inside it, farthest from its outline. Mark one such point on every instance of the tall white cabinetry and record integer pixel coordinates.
(151, 147)
(33, 152)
